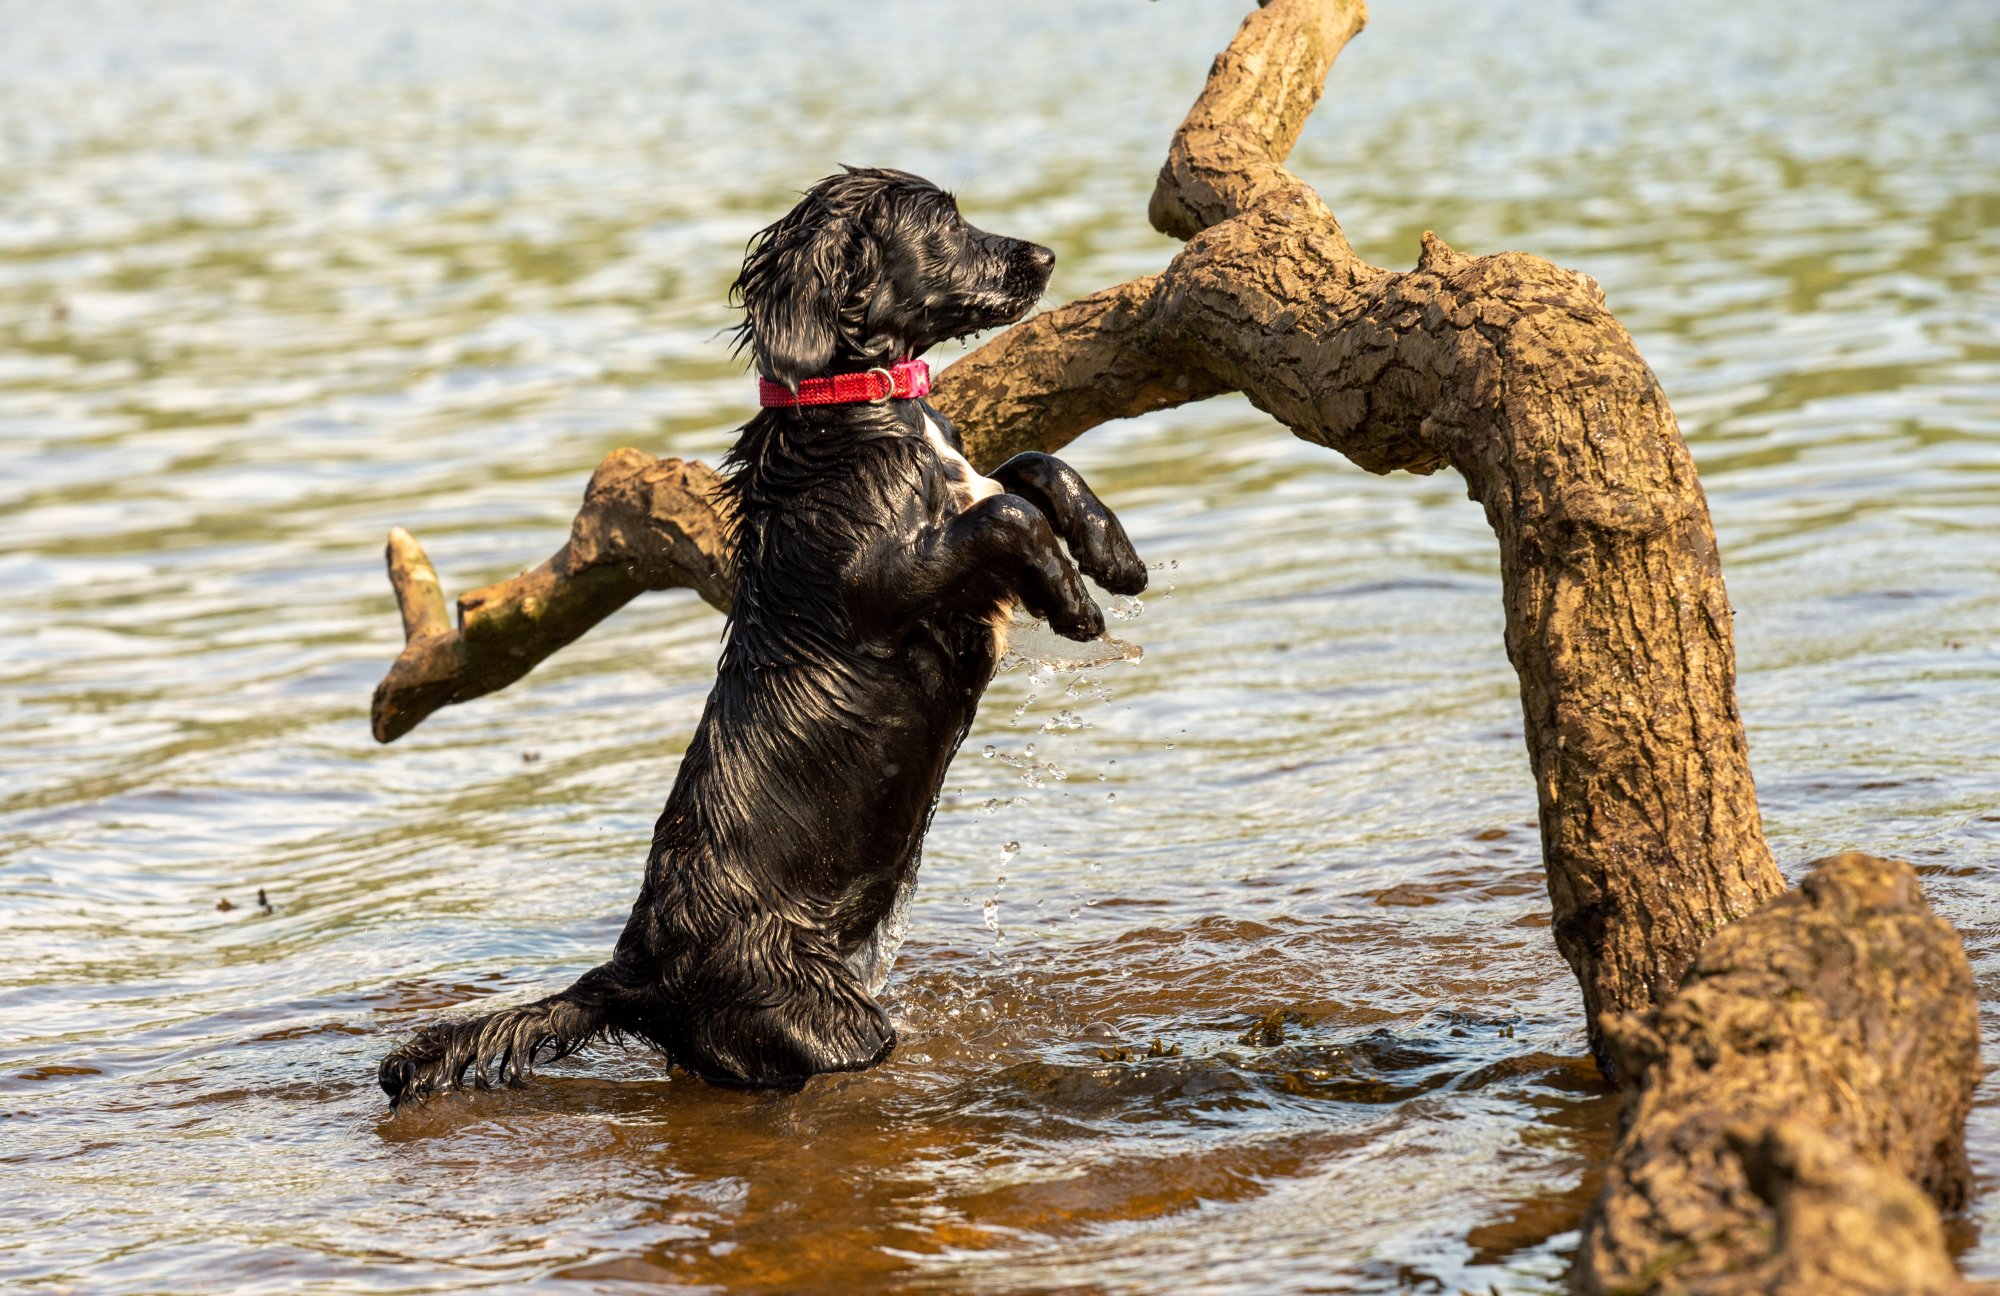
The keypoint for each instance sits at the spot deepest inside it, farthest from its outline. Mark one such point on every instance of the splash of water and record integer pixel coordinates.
(1031, 643)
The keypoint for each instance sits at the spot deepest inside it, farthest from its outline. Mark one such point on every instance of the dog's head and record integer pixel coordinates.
(872, 267)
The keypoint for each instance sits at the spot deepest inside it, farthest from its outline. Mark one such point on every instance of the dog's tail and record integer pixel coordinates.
(503, 1047)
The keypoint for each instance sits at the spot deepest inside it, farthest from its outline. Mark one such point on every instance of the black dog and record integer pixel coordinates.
(874, 569)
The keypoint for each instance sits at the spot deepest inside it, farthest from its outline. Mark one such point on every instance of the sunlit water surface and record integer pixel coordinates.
(274, 278)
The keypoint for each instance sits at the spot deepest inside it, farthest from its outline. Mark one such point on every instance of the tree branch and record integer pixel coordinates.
(1229, 152)
(1506, 368)
(1837, 1018)
(1046, 381)
(650, 524)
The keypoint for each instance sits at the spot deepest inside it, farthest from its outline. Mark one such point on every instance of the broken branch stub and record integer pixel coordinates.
(1230, 150)
(645, 524)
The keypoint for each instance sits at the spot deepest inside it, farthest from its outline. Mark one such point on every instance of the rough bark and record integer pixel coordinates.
(1046, 381)
(1795, 1115)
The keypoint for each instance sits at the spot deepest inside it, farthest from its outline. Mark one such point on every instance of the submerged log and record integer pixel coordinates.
(1795, 1115)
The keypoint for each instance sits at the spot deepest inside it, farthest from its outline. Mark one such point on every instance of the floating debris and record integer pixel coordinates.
(1269, 1030)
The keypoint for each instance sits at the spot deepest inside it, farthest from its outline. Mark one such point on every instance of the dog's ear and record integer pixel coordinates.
(794, 289)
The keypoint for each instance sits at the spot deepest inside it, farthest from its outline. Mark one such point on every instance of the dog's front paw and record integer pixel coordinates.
(1083, 621)
(1122, 572)
(1108, 557)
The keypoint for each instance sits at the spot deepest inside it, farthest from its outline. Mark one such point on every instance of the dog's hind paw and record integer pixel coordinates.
(495, 1050)
(418, 1067)
(500, 1048)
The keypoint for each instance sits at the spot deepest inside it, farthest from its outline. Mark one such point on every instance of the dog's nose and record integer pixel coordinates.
(1040, 257)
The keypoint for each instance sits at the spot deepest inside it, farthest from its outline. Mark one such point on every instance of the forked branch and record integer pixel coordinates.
(1506, 368)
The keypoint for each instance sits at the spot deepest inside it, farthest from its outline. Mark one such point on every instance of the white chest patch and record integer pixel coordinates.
(967, 486)
(967, 489)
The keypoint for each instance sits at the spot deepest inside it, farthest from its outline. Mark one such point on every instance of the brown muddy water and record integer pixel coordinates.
(274, 278)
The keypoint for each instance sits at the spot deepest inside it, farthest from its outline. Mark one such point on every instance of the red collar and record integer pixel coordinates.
(906, 381)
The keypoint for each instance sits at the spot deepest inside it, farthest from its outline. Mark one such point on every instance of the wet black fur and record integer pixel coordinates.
(859, 644)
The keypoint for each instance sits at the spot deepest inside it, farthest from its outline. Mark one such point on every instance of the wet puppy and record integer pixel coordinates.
(874, 567)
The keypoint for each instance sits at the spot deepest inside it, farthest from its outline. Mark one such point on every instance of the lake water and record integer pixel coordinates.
(274, 278)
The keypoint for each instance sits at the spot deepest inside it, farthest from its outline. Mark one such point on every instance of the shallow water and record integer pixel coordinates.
(275, 278)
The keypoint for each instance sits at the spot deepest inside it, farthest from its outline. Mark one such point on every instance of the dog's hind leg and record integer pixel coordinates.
(502, 1047)
(812, 1018)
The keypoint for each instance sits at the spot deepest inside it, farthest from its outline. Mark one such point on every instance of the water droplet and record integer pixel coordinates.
(1170, 746)
(1110, 796)
(990, 752)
